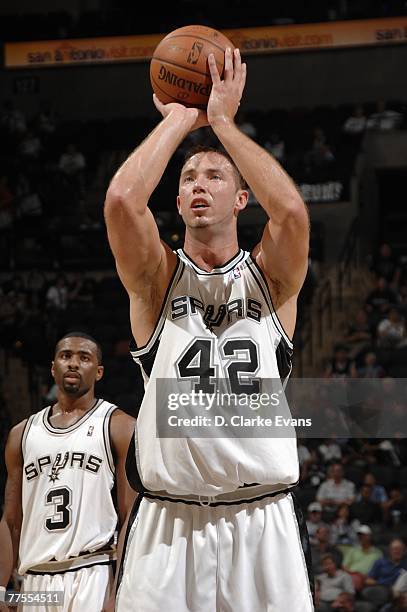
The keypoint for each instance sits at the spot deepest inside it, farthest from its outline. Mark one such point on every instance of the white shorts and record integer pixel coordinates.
(225, 557)
(84, 589)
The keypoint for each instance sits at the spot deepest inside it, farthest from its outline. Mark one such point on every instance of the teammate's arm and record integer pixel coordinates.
(109, 605)
(10, 525)
(121, 431)
(283, 253)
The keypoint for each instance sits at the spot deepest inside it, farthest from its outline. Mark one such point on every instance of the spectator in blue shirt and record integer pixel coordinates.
(378, 493)
(386, 571)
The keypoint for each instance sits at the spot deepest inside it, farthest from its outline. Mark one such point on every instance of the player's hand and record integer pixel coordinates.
(197, 118)
(225, 96)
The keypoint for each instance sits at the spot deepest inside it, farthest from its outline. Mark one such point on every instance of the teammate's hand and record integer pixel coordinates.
(225, 96)
(109, 604)
(196, 116)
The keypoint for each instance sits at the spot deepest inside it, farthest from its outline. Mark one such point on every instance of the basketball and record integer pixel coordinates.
(179, 70)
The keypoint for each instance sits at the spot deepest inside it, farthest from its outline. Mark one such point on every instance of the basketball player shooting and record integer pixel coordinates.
(62, 462)
(215, 527)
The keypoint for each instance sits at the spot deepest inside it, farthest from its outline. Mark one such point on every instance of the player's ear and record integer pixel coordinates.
(100, 372)
(53, 368)
(242, 197)
(178, 205)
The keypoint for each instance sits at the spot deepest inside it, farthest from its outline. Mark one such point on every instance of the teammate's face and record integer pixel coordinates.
(209, 191)
(75, 367)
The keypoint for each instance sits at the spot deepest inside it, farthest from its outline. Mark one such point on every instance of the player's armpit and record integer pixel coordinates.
(284, 248)
(138, 273)
(135, 241)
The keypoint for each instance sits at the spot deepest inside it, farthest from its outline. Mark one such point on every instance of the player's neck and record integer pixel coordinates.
(73, 405)
(211, 254)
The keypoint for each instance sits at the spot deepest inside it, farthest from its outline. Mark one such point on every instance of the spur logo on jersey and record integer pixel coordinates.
(213, 316)
(68, 460)
(57, 466)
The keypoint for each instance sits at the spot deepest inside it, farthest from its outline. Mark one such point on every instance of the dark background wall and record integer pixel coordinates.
(284, 80)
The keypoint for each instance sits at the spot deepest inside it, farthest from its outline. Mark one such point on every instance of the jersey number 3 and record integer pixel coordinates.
(61, 499)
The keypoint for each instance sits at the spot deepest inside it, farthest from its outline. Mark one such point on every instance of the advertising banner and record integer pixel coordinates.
(251, 41)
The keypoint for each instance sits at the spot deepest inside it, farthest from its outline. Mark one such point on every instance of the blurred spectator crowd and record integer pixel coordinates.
(57, 274)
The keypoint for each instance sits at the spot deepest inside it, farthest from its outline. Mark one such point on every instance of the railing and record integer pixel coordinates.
(311, 333)
(349, 261)
(318, 323)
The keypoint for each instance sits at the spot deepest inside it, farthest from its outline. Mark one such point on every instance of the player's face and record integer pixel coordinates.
(209, 192)
(75, 368)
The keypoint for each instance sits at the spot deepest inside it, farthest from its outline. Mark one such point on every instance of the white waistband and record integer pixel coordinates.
(73, 563)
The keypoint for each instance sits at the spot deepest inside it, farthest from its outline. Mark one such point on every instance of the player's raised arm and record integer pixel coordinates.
(283, 253)
(10, 524)
(132, 231)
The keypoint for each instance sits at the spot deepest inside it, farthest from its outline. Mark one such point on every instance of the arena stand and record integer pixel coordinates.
(57, 273)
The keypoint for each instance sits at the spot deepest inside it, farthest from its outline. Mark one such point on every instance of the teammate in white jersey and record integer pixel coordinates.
(59, 518)
(215, 527)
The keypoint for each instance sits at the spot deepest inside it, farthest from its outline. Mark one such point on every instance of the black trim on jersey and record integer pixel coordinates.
(24, 435)
(132, 472)
(283, 356)
(108, 443)
(305, 543)
(132, 517)
(223, 269)
(146, 360)
(268, 297)
(63, 430)
(74, 569)
(233, 502)
(179, 268)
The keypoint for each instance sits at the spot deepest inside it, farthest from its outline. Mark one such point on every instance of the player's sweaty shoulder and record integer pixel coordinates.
(144, 281)
(147, 300)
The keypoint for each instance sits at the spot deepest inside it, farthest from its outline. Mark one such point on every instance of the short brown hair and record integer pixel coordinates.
(221, 151)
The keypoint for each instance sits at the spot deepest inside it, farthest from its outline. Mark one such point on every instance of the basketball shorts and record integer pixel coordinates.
(228, 555)
(84, 589)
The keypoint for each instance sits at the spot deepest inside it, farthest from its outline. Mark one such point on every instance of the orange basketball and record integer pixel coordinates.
(179, 70)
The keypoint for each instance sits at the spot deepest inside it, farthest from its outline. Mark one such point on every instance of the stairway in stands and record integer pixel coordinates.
(16, 387)
(393, 209)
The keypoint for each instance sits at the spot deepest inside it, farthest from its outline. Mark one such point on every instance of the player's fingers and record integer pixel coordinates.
(213, 69)
(237, 62)
(243, 75)
(228, 71)
(158, 104)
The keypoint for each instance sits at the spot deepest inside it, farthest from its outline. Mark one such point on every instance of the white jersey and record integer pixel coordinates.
(214, 326)
(68, 475)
